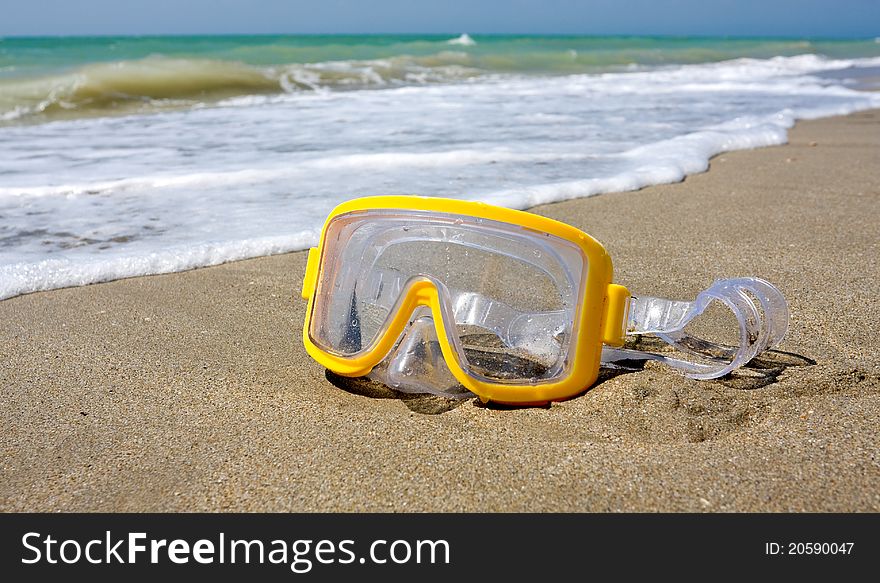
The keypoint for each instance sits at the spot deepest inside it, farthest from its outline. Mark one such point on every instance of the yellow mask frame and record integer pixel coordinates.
(602, 315)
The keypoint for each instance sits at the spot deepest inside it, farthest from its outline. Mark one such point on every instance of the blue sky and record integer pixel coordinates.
(836, 18)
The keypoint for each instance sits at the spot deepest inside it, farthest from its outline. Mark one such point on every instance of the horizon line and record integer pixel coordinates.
(444, 34)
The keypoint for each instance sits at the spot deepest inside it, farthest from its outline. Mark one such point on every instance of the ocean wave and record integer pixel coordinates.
(128, 85)
(464, 40)
(160, 83)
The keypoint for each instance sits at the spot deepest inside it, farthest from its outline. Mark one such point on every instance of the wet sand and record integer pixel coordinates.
(192, 391)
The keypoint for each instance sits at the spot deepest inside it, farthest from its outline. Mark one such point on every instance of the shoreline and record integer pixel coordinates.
(191, 391)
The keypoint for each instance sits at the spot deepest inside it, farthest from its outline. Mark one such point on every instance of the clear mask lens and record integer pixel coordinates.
(509, 295)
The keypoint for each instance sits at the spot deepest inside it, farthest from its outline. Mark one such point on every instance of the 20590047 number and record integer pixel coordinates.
(820, 548)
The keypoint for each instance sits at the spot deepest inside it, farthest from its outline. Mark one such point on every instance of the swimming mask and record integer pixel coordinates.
(459, 298)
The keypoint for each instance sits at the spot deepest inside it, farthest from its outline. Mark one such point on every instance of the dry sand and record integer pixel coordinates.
(192, 391)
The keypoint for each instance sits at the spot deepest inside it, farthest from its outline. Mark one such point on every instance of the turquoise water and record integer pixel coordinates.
(50, 78)
(19, 56)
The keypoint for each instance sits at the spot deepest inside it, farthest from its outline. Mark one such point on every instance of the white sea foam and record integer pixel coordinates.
(365, 162)
(99, 199)
(464, 40)
(53, 273)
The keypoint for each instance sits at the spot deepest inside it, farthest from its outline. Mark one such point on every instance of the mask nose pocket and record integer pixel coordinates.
(416, 363)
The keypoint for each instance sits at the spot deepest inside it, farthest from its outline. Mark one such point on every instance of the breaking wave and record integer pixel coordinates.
(160, 83)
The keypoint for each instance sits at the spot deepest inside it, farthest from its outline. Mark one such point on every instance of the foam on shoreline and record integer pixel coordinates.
(101, 199)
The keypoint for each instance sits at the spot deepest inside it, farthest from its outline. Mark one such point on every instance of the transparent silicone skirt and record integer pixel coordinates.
(508, 296)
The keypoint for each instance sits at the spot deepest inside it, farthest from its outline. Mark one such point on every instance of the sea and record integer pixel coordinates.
(126, 156)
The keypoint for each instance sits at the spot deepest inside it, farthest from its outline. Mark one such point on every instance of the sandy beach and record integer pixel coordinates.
(192, 391)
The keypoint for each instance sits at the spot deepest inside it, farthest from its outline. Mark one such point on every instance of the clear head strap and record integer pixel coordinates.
(762, 318)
